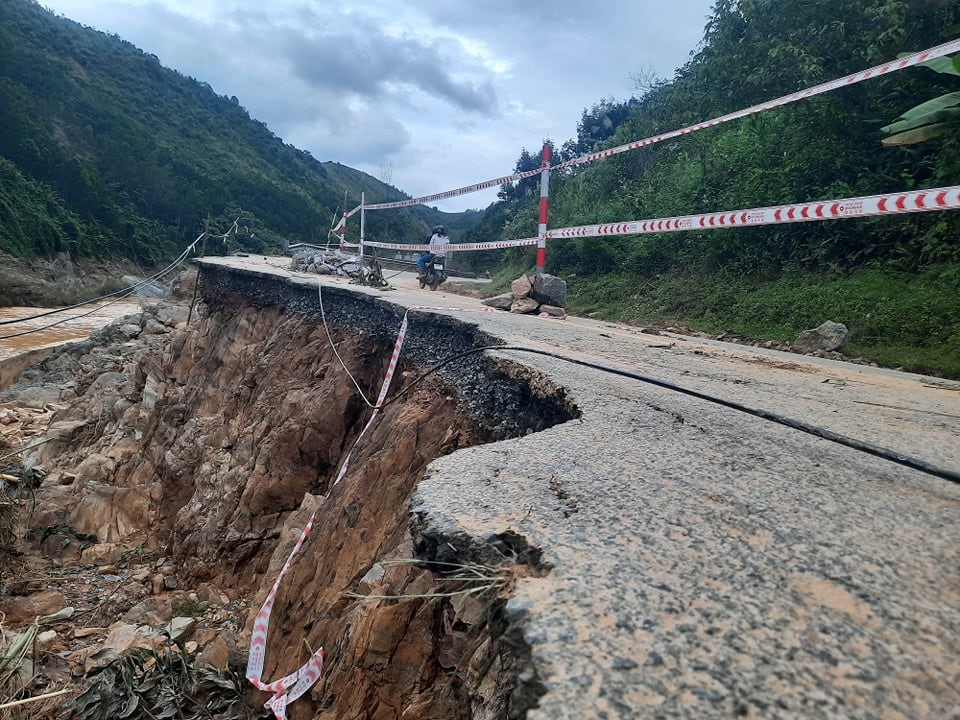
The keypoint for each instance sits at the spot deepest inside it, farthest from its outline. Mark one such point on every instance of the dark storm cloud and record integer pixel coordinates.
(349, 52)
(371, 64)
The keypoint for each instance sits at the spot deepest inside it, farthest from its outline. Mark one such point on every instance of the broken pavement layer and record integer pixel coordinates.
(705, 563)
(664, 557)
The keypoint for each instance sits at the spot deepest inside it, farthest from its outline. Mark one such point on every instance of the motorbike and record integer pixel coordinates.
(434, 273)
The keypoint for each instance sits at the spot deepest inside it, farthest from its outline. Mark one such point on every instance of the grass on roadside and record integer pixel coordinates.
(911, 322)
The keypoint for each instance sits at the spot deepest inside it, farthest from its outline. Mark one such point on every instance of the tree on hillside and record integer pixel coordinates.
(825, 147)
(522, 188)
(139, 155)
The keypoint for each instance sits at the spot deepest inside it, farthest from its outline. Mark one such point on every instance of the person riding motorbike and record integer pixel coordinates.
(439, 237)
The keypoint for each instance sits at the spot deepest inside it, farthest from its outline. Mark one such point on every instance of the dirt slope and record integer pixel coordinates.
(643, 554)
(204, 448)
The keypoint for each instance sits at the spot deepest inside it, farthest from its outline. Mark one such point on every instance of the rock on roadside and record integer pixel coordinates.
(826, 337)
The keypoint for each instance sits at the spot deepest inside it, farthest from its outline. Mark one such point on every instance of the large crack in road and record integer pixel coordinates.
(683, 560)
(710, 564)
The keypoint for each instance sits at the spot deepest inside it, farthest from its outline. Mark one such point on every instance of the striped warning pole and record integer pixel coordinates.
(363, 224)
(544, 205)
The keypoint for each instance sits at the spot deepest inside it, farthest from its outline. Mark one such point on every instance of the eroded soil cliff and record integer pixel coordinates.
(187, 457)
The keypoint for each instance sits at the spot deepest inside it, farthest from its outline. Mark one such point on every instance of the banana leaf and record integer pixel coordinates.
(917, 135)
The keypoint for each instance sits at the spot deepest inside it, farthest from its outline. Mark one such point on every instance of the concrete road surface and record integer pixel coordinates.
(705, 563)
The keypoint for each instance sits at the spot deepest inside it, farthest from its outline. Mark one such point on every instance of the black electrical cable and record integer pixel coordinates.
(884, 453)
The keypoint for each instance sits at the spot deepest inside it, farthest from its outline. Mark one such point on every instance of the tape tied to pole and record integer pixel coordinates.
(891, 66)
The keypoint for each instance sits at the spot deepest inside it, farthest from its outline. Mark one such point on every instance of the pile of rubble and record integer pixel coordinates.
(76, 612)
(544, 295)
(325, 262)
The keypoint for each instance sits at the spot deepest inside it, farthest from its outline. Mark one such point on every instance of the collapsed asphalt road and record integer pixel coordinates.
(706, 563)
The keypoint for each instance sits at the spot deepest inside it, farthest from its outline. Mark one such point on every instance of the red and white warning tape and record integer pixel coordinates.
(889, 67)
(291, 687)
(947, 48)
(945, 198)
(452, 247)
(466, 190)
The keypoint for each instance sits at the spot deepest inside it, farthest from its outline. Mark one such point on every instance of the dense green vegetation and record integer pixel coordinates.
(103, 151)
(894, 281)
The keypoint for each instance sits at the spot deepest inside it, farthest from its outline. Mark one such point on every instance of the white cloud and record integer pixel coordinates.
(448, 92)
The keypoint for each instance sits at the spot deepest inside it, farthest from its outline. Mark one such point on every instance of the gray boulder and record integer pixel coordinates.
(172, 315)
(524, 306)
(145, 288)
(550, 290)
(500, 302)
(34, 397)
(828, 336)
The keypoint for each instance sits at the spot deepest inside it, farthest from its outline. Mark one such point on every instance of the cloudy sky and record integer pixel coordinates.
(428, 95)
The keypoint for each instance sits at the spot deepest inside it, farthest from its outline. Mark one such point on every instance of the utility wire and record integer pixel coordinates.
(877, 451)
(333, 346)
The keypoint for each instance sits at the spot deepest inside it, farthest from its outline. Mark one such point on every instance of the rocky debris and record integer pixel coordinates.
(12, 367)
(106, 552)
(373, 577)
(500, 302)
(521, 287)
(552, 311)
(524, 306)
(187, 458)
(145, 288)
(33, 398)
(326, 262)
(550, 290)
(826, 337)
(545, 295)
(216, 654)
(69, 648)
(17, 610)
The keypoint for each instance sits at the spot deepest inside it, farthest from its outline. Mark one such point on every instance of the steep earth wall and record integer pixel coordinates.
(59, 279)
(210, 445)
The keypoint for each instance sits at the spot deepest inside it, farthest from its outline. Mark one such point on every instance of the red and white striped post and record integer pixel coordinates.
(544, 203)
(343, 231)
(363, 223)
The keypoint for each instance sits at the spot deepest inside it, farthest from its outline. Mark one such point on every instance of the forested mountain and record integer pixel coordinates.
(895, 280)
(103, 151)
(825, 147)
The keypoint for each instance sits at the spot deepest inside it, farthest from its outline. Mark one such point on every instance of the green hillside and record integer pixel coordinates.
(103, 151)
(895, 281)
